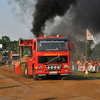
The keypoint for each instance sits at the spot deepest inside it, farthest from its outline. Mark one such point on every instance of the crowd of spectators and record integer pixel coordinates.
(84, 63)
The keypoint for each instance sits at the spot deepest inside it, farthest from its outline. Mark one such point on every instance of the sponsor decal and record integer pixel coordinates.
(52, 54)
(52, 41)
(81, 68)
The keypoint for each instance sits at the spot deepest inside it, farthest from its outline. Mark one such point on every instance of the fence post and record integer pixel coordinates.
(97, 68)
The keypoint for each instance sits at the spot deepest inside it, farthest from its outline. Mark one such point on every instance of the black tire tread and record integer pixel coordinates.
(27, 76)
(35, 76)
(65, 77)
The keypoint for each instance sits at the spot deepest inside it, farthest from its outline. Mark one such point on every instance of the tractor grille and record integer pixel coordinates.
(52, 59)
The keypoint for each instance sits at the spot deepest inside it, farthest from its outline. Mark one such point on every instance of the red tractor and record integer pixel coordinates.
(46, 56)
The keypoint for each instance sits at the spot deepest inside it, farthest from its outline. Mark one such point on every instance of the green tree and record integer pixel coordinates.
(96, 52)
(14, 47)
(76, 52)
(0, 41)
(6, 43)
(89, 50)
(9, 45)
(20, 39)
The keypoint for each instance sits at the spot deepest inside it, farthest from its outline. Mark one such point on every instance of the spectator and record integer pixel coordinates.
(6, 61)
(98, 62)
(78, 62)
(95, 63)
(85, 63)
(91, 62)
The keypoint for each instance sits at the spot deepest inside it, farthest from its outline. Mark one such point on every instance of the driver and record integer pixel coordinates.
(25, 52)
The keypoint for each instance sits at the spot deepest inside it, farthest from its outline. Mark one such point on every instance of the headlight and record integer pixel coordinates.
(58, 67)
(65, 66)
(39, 67)
(48, 67)
(55, 67)
(51, 67)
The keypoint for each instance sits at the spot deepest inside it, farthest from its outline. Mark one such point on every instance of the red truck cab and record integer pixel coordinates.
(50, 56)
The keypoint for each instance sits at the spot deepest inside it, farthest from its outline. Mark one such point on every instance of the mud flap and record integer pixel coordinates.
(17, 67)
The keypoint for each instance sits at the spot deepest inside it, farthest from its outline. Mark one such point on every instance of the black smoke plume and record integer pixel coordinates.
(75, 21)
(86, 15)
(46, 10)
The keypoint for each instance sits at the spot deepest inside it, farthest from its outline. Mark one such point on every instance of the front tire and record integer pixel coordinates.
(26, 72)
(35, 76)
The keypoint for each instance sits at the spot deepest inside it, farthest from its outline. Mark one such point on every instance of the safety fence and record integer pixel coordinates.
(90, 68)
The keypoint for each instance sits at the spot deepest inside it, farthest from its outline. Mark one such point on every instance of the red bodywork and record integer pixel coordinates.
(33, 61)
(25, 42)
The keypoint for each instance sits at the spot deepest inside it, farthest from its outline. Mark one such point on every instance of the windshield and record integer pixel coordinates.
(52, 46)
(27, 51)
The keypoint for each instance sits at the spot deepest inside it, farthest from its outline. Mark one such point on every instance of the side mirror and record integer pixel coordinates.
(70, 47)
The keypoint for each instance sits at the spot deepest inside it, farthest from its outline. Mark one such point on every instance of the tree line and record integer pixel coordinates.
(79, 49)
(83, 50)
(9, 45)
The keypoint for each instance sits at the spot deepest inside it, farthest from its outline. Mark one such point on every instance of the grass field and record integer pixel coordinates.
(96, 75)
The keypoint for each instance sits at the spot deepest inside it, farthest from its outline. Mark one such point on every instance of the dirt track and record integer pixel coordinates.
(16, 87)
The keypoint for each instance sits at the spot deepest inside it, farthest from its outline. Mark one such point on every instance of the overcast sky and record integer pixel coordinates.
(10, 27)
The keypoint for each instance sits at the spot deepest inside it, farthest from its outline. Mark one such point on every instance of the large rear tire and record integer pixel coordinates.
(35, 76)
(14, 67)
(26, 72)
